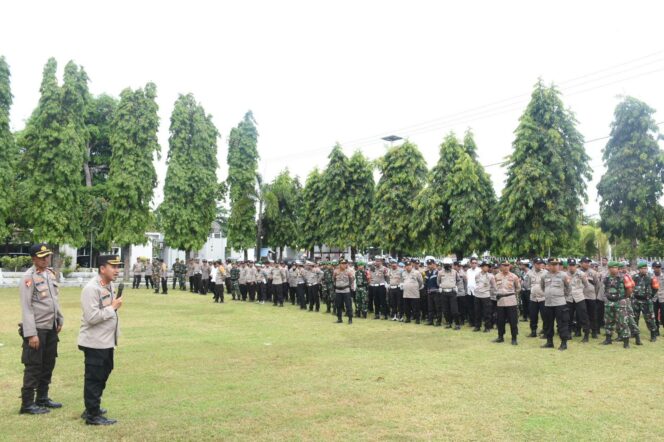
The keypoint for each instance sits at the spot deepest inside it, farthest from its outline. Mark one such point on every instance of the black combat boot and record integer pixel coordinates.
(594, 334)
(499, 339)
(653, 336)
(608, 340)
(585, 337)
(563, 345)
(514, 341)
(549, 343)
(625, 342)
(533, 334)
(638, 340)
(28, 405)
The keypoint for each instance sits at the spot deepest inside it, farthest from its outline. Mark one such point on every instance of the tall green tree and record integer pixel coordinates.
(471, 200)
(8, 153)
(98, 122)
(191, 190)
(242, 170)
(360, 190)
(403, 175)
(546, 179)
(282, 202)
(53, 142)
(132, 176)
(631, 187)
(430, 224)
(312, 208)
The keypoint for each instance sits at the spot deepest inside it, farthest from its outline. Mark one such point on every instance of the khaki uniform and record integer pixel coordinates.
(99, 322)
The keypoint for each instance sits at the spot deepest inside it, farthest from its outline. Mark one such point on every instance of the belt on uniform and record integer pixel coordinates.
(394, 286)
(376, 285)
(504, 296)
(447, 290)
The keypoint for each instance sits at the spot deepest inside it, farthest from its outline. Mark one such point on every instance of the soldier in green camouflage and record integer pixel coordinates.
(328, 286)
(645, 289)
(235, 282)
(361, 290)
(616, 307)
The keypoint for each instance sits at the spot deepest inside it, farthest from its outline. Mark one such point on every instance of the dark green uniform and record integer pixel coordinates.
(235, 282)
(361, 290)
(644, 290)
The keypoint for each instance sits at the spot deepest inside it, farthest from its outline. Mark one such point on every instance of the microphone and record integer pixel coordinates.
(120, 289)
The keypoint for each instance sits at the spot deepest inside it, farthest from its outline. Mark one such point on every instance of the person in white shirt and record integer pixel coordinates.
(471, 273)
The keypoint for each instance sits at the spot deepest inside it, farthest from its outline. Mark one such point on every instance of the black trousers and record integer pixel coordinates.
(251, 288)
(379, 299)
(227, 281)
(536, 310)
(148, 282)
(510, 314)
(292, 292)
(370, 299)
(658, 311)
(396, 297)
(424, 304)
(197, 283)
(525, 300)
(560, 314)
(164, 285)
(470, 308)
(302, 295)
(192, 283)
(243, 291)
(260, 291)
(411, 308)
(314, 296)
(341, 300)
(278, 297)
(39, 365)
(98, 367)
(450, 307)
(137, 281)
(483, 311)
(436, 307)
(217, 291)
(591, 308)
(463, 307)
(580, 315)
(205, 283)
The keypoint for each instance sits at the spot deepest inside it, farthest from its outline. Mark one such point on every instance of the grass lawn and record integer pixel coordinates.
(188, 369)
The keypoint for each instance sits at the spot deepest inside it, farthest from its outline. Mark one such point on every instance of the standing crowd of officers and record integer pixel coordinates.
(577, 297)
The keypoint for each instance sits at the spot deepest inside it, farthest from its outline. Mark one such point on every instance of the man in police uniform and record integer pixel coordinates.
(42, 321)
(98, 336)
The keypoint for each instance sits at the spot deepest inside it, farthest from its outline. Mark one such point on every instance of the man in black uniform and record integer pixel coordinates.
(42, 321)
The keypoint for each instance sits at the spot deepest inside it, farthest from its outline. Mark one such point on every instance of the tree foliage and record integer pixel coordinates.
(8, 153)
(53, 142)
(546, 179)
(283, 199)
(132, 176)
(242, 169)
(631, 187)
(311, 219)
(403, 175)
(191, 190)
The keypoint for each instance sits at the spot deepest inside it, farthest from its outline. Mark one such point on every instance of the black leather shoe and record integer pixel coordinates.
(33, 409)
(563, 346)
(532, 334)
(99, 420)
(499, 339)
(339, 321)
(476, 329)
(549, 344)
(84, 415)
(48, 403)
(514, 341)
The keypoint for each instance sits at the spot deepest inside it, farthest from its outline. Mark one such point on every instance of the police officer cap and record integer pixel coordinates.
(571, 262)
(485, 264)
(401, 264)
(525, 261)
(414, 261)
(113, 260)
(40, 250)
(431, 261)
(343, 261)
(538, 261)
(586, 259)
(554, 261)
(657, 264)
(447, 261)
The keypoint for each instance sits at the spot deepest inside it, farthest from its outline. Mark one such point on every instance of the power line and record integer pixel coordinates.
(477, 113)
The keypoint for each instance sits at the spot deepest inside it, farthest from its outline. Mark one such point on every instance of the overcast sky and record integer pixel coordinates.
(318, 72)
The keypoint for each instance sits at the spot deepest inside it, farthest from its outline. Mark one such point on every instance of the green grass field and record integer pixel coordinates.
(188, 369)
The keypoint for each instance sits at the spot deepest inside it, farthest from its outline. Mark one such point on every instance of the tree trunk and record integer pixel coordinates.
(281, 253)
(126, 259)
(353, 250)
(633, 252)
(246, 255)
(259, 231)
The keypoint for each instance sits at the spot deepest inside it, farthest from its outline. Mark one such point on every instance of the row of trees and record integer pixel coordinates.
(84, 165)
(452, 208)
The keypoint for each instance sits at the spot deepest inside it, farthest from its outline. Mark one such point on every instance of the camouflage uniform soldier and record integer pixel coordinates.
(328, 287)
(645, 288)
(156, 274)
(616, 313)
(235, 282)
(361, 288)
